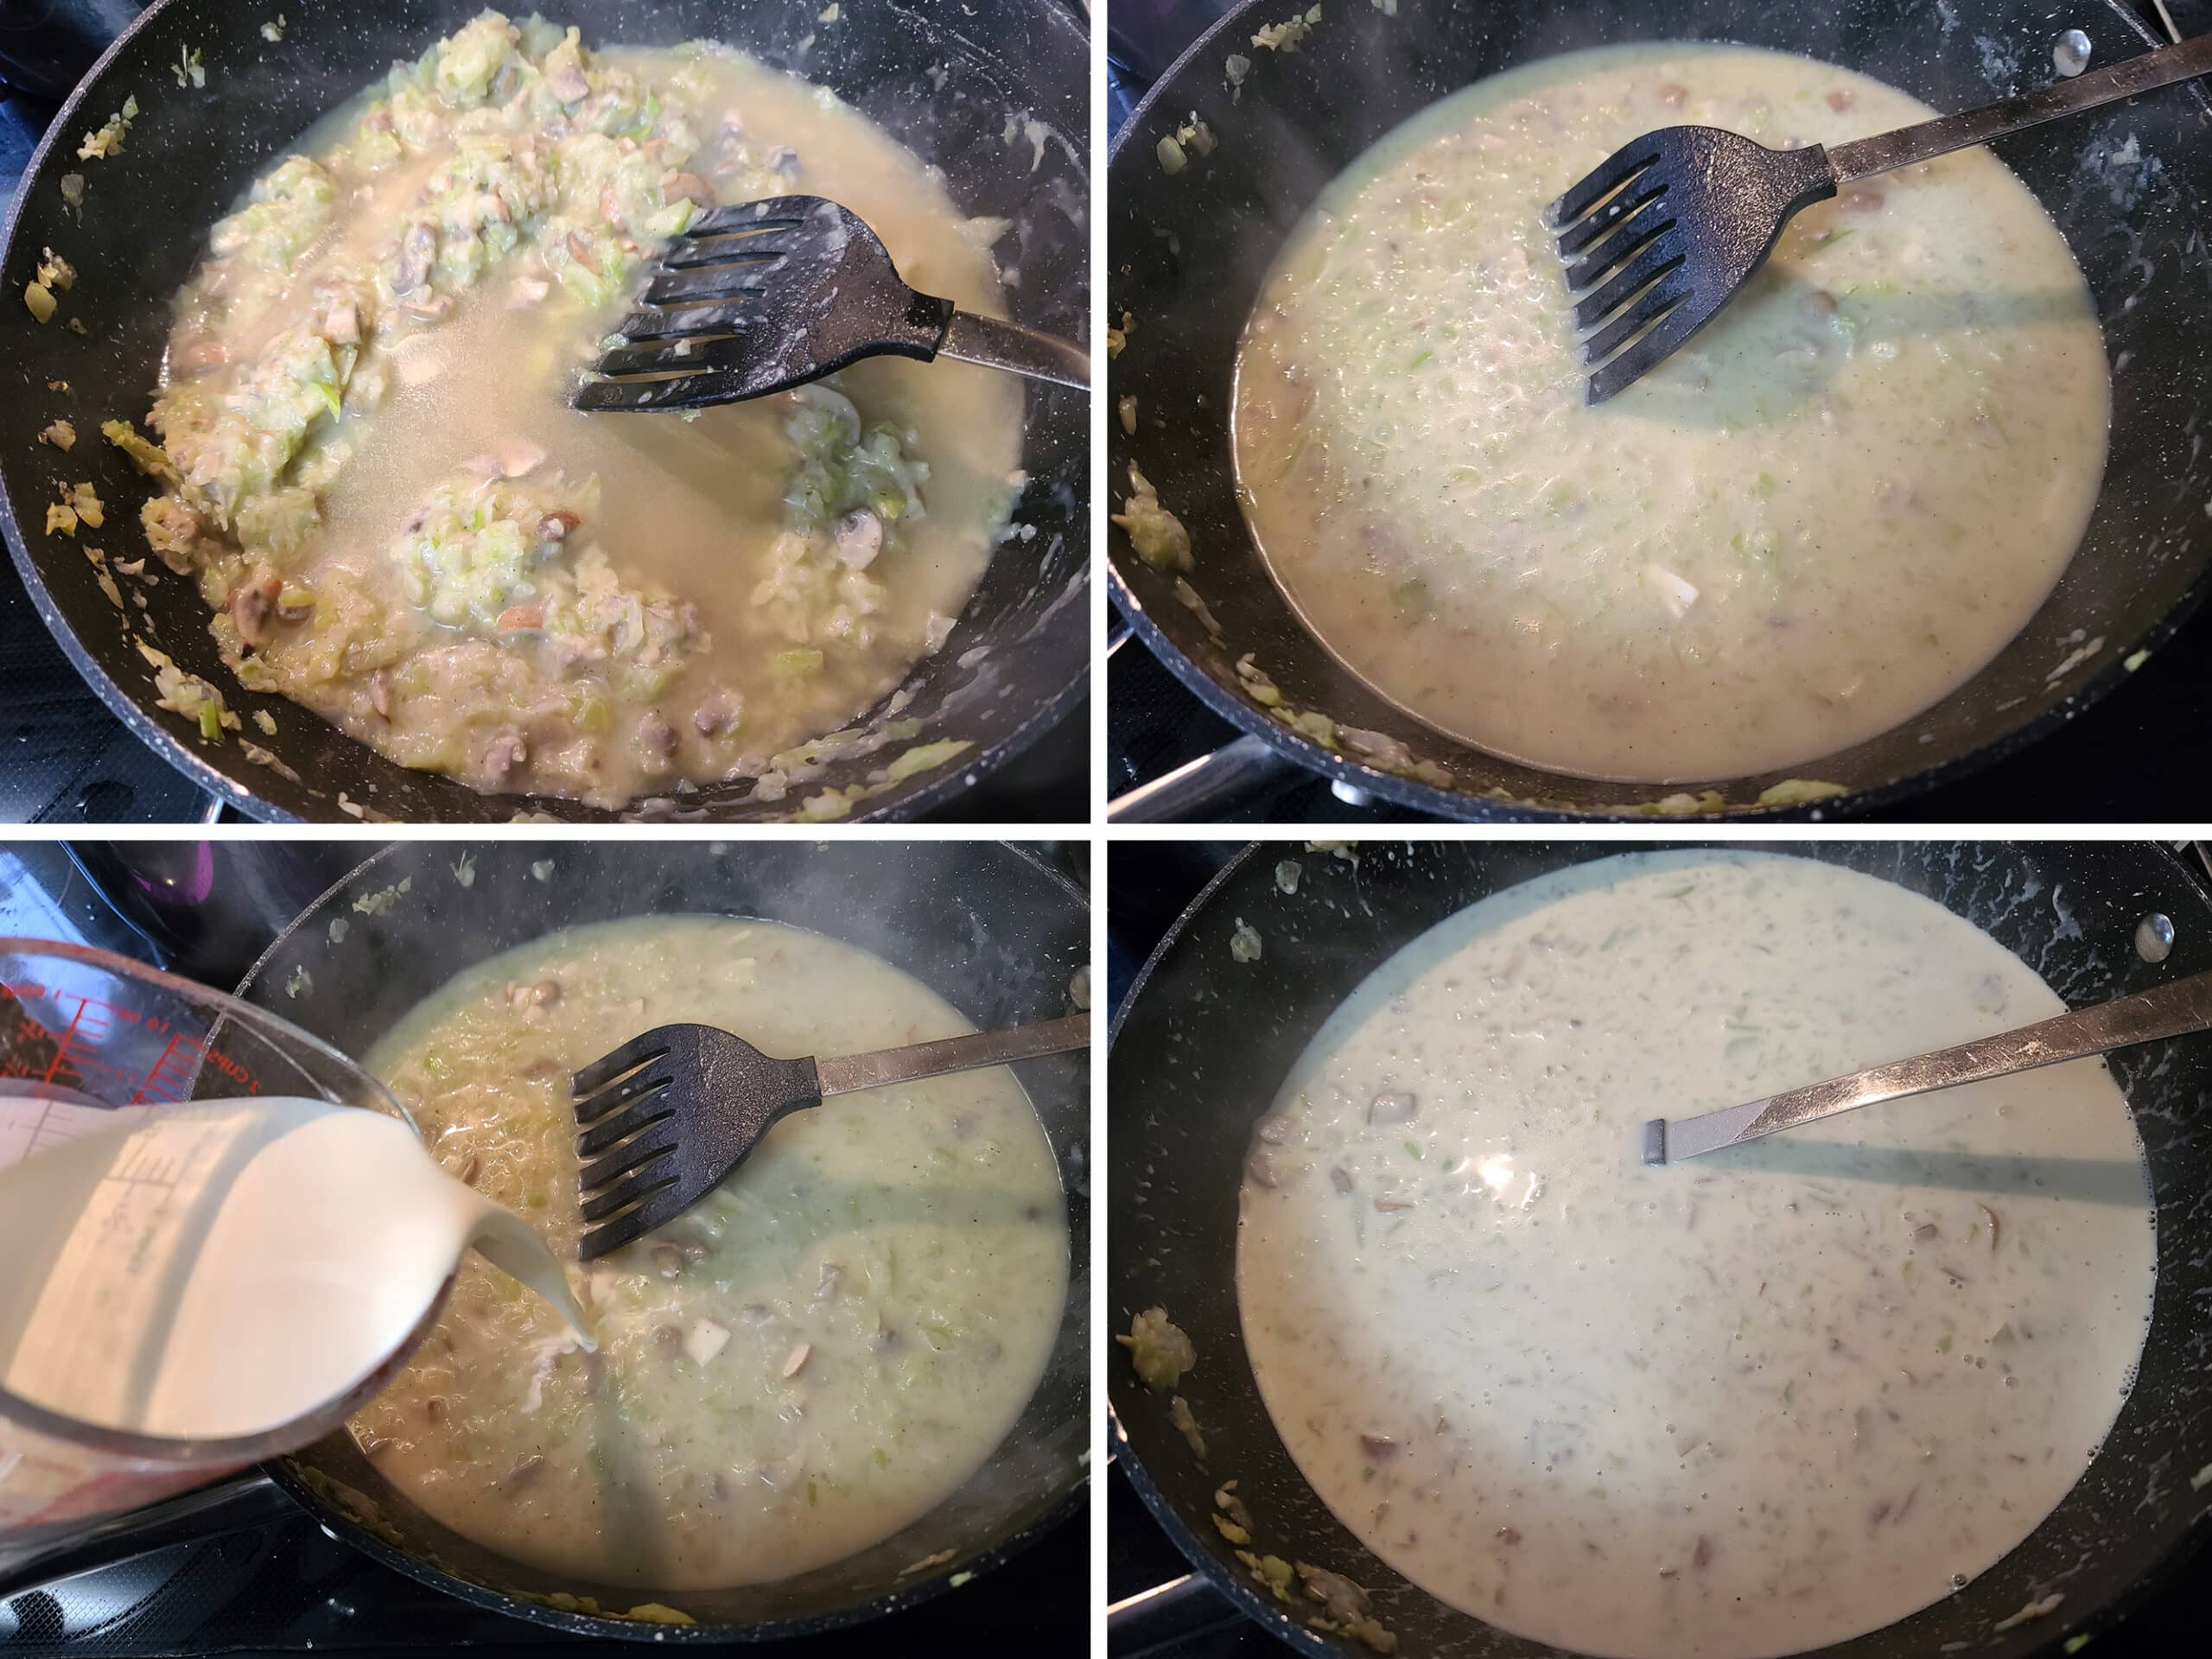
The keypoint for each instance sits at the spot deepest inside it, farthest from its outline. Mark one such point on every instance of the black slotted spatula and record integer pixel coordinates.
(770, 295)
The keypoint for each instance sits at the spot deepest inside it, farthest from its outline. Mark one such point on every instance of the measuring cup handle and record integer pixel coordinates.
(249, 1499)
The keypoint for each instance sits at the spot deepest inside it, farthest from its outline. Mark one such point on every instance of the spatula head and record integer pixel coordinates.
(757, 299)
(665, 1119)
(1662, 232)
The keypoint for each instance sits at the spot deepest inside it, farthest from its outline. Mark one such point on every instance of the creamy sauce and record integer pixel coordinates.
(227, 1268)
(819, 1353)
(366, 395)
(1769, 1400)
(1824, 514)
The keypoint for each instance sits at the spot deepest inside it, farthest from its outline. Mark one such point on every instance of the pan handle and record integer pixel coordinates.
(1166, 1615)
(1245, 773)
(250, 1499)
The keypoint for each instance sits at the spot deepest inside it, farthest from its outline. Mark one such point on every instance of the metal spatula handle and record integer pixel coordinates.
(1000, 345)
(848, 1072)
(2172, 1010)
(1887, 150)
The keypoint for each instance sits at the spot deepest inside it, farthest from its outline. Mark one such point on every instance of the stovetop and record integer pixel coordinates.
(66, 758)
(254, 1574)
(1152, 883)
(2136, 756)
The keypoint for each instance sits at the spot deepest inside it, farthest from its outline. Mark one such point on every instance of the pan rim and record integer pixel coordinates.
(1451, 804)
(950, 781)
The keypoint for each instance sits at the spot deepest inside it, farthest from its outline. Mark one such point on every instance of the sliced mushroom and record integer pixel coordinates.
(418, 250)
(566, 82)
(687, 186)
(857, 538)
(1380, 1448)
(718, 714)
(795, 1361)
(524, 1472)
(252, 603)
(1386, 1110)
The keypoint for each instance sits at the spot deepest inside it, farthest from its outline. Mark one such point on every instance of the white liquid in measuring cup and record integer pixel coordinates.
(225, 1268)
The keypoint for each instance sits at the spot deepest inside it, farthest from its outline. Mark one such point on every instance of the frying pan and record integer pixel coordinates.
(1186, 254)
(1199, 1048)
(191, 152)
(987, 927)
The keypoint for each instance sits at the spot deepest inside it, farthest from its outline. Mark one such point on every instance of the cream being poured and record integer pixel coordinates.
(225, 1268)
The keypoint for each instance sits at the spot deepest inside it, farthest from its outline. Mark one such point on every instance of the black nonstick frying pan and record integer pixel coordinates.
(1201, 1045)
(987, 926)
(1014, 665)
(1186, 253)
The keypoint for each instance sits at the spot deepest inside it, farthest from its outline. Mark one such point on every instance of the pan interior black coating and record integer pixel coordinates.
(987, 926)
(1203, 1042)
(191, 150)
(1186, 254)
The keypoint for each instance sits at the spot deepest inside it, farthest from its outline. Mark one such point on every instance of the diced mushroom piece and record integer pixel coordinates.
(579, 250)
(1259, 1169)
(1818, 304)
(566, 82)
(668, 1260)
(1702, 1555)
(795, 1361)
(1380, 1448)
(1390, 1202)
(831, 1273)
(783, 159)
(1340, 1179)
(1840, 99)
(718, 714)
(545, 992)
(520, 619)
(426, 303)
(885, 1341)
(687, 186)
(1385, 1109)
(857, 538)
(1672, 93)
(252, 603)
(1274, 1129)
(341, 324)
(668, 1341)
(506, 753)
(1509, 1535)
(656, 738)
(705, 1340)
(418, 248)
(518, 456)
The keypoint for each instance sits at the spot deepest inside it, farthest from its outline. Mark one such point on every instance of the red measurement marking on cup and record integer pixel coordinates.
(85, 1054)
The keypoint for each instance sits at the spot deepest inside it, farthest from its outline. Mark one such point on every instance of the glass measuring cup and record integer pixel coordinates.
(94, 1041)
